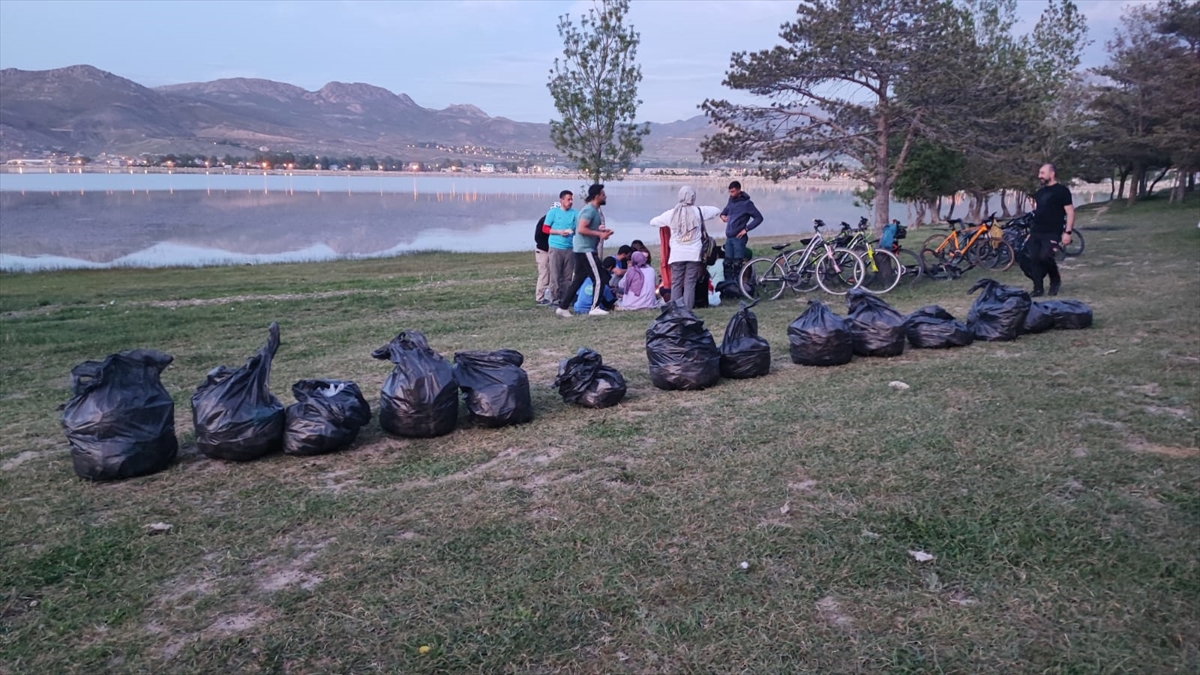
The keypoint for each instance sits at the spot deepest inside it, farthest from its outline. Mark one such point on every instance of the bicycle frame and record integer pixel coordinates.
(960, 250)
(818, 241)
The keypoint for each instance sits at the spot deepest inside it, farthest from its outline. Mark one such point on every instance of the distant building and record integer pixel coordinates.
(488, 168)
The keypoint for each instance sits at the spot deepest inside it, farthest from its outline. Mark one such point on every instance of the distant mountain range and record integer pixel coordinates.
(87, 110)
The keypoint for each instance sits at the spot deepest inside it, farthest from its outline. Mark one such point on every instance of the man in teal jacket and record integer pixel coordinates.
(560, 225)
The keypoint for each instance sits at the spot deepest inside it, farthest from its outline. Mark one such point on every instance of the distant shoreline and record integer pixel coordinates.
(751, 180)
(22, 170)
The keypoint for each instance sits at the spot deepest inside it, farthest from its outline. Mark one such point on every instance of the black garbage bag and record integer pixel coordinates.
(1068, 314)
(495, 386)
(681, 351)
(818, 337)
(932, 327)
(235, 414)
(743, 353)
(584, 380)
(1038, 320)
(325, 418)
(120, 420)
(420, 398)
(877, 328)
(999, 311)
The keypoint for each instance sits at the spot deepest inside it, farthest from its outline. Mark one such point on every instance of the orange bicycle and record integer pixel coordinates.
(966, 246)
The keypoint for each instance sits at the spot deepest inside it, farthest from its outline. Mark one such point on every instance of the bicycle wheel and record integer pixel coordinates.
(1076, 246)
(932, 243)
(762, 278)
(911, 269)
(931, 259)
(802, 279)
(884, 272)
(980, 254)
(840, 272)
(1003, 255)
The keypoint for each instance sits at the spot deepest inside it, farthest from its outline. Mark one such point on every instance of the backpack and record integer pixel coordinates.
(708, 245)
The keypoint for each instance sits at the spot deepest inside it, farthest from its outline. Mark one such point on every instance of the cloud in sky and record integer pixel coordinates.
(491, 53)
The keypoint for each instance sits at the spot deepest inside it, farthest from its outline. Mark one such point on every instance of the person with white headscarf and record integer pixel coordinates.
(684, 223)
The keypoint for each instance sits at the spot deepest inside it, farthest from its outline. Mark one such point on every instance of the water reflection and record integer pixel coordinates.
(101, 220)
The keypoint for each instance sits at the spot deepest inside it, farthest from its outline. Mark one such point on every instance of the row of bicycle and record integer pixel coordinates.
(853, 259)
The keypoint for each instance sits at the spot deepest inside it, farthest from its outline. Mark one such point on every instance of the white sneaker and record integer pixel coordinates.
(565, 313)
(597, 312)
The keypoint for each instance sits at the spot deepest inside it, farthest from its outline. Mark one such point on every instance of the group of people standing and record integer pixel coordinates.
(569, 246)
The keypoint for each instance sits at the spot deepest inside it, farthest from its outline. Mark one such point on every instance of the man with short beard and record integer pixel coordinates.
(560, 226)
(589, 232)
(1053, 209)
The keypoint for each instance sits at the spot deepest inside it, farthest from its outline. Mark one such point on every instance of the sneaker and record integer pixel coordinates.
(565, 313)
(597, 312)
(1037, 293)
(543, 302)
(1054, 288)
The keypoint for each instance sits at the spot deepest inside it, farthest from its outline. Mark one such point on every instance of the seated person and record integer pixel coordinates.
(637, 245)
(622, 259)
(583, 299)
(638, 284)
(608, 272)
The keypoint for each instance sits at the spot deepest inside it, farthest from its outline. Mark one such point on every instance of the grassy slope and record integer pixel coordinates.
(1056, 479)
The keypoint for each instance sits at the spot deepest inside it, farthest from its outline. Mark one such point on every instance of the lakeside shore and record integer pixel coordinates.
(839, 183)
(154, 170)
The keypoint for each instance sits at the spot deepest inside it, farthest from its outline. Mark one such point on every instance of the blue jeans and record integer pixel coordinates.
(735, 247)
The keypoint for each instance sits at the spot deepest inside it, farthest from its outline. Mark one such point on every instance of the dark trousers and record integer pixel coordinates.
(1041, 258)
(684, 276)
(586, 267)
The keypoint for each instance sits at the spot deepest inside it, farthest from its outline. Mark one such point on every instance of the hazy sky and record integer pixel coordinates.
(491, 53)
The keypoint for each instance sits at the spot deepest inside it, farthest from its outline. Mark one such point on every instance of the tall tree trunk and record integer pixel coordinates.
(1150, 190)
(1135, 181)
(953, 203)
(1004, 212)
(1124, 175)
(976, 205)
(1191, 180)
(1177, 189)
(1112, 186)
(937, 212)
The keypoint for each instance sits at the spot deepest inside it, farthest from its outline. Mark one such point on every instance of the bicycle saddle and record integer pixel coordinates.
(780, 247)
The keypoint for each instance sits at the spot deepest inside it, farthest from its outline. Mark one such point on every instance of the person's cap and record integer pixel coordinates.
(594, 190)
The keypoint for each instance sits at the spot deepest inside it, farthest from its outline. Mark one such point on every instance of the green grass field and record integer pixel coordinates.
(1056, 480)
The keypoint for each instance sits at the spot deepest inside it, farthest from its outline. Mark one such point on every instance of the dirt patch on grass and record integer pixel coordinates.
(1151, 390)
(23, 457)
(1163, 410)
(277, 573)
(275, 297)
(831, 612)
(1145, 447)
(225, 625)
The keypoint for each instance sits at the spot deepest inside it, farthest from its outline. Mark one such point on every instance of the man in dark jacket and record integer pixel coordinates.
(740, 216)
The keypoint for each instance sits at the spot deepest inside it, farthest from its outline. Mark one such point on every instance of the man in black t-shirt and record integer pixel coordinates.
(1054, 210)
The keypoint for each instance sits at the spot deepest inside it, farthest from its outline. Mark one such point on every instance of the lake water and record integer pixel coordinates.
(96, 220)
